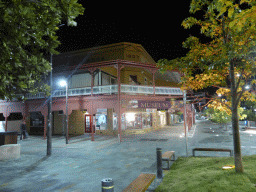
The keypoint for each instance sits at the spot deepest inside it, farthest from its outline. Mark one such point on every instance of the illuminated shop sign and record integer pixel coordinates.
(154, 104)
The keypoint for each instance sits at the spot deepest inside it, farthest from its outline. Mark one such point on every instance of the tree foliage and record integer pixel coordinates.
(225, 57)
(250, 110)
(218, 115)
(27, 30)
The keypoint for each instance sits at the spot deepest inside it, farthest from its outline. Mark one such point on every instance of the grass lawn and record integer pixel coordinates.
(206, 174)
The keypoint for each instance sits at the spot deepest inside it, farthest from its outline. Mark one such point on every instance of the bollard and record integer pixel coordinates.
(159, 163)
(107, 185)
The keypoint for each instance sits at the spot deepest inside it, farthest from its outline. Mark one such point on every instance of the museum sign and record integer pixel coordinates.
(154, 104)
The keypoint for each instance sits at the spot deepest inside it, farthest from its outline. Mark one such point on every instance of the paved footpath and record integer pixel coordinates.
(208, 134)
(82, 164)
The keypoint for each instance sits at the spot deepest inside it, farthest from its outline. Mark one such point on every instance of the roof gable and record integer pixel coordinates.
(122, 51)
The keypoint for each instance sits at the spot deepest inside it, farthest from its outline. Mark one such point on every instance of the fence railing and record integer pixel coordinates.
(168, 91)
(112, 89)
(135, 89)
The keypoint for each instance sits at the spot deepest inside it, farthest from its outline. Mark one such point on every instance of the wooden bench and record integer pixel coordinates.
(168, 156)
(141, 183)
(212, 149)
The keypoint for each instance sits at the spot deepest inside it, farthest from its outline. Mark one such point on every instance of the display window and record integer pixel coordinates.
(138, 120)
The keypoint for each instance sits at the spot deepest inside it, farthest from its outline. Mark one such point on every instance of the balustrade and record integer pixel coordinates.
(112, 89)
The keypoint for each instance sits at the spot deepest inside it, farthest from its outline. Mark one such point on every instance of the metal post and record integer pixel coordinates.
(119, 102)
(159, 163)
(92, 79)
(67, 112)
(185, 121)
(49, 127)
(93, 128)
(154, 86)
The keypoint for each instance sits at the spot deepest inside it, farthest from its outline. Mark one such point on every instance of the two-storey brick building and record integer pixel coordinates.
(106, 85)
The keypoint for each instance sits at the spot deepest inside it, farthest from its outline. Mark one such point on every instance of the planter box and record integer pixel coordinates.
(8, 138)
(10, 151)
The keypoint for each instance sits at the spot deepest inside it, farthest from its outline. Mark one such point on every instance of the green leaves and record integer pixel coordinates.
(230, 12)
(189, 22)
(27, 29)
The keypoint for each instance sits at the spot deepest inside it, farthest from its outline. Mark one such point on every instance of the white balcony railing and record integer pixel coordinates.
(112, 89)
(168, 91)
(135, 89)
(105, 89)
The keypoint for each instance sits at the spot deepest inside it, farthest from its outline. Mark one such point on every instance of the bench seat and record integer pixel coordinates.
(213, 149)
(168, 156)
(141, 183)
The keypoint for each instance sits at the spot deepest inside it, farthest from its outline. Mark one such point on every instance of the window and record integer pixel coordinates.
(133, 80)
(81, 80)
(15, 116)
(112, 81)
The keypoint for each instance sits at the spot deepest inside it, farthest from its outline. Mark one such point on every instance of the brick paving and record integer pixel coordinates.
(82, 164)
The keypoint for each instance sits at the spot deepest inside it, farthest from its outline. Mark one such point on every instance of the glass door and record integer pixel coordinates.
(88, 123)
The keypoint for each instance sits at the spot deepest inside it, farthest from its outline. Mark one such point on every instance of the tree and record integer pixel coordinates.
(249, 111)
(27, 30)
(218, 116)
(221, 116)
(224, 57)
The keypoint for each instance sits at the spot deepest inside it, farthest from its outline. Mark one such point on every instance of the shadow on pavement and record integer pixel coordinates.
(35, 165)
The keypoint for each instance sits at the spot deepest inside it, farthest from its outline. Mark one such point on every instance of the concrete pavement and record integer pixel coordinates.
(208, 134)
(82, 164)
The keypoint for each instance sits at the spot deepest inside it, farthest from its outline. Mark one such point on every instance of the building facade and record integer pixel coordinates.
(117, 88)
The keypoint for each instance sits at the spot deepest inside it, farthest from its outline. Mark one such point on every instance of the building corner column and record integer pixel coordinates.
(92, 78)
(153, 71)
(110, 120)
(6, 124)
(119, 67)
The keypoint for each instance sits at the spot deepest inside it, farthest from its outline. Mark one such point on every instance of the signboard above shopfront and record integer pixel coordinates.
(154, 104)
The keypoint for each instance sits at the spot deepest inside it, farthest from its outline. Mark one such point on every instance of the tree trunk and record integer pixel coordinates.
(235, 122)
(236, 140)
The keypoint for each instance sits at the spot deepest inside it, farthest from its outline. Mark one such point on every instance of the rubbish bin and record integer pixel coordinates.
(107, 185)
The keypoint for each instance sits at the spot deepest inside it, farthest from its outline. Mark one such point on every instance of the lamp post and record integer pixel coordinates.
(49, 126)
(65, 83)
(185, 121)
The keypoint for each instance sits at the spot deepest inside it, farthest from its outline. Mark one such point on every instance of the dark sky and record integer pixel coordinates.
(156, 26)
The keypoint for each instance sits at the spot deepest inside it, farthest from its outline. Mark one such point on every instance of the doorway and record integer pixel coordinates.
(88, 124)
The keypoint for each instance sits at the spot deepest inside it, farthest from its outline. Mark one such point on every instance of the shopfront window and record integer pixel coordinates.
(147, 120)
(138, 120)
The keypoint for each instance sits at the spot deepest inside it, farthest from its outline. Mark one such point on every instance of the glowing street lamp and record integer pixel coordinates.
(64, 83)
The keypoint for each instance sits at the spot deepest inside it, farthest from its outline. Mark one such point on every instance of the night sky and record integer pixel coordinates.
(156, 26)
